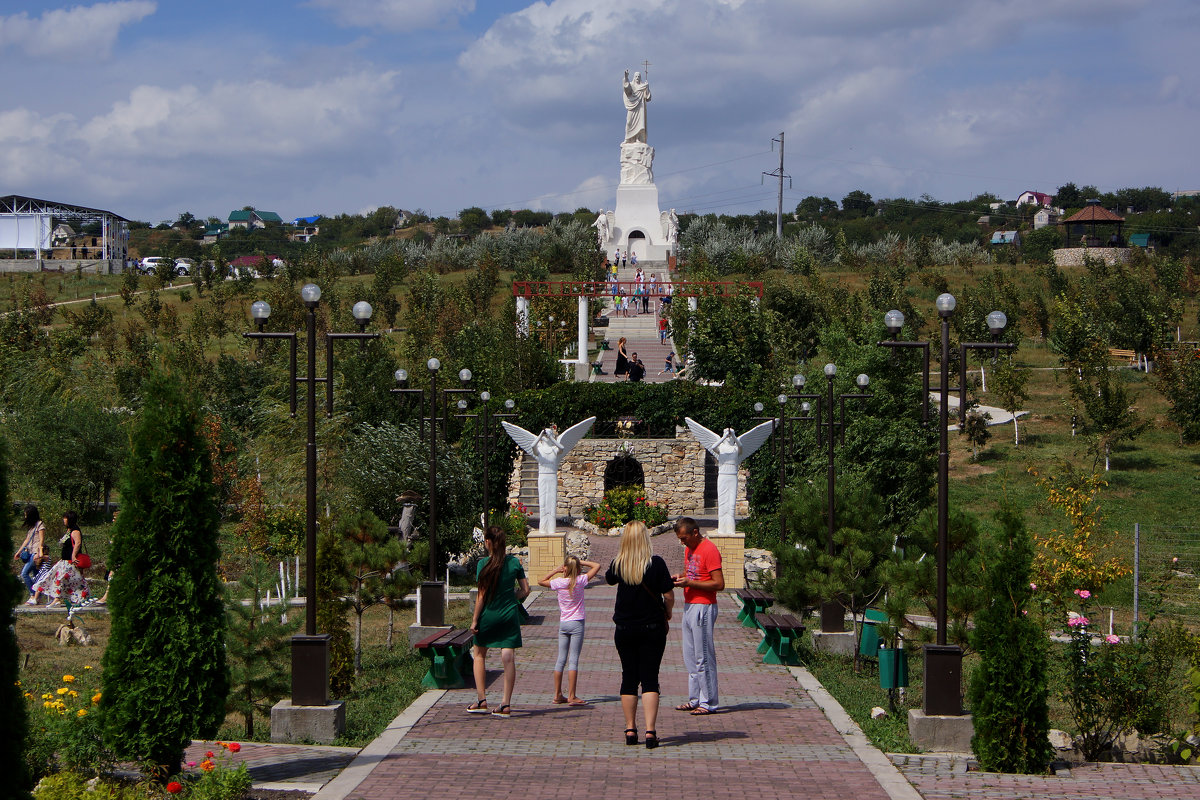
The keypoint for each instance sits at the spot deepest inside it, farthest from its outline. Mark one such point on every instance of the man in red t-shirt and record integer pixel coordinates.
(701, 580)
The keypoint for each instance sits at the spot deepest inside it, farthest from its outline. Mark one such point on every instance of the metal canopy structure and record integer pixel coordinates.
(682, 288)
(26, 224)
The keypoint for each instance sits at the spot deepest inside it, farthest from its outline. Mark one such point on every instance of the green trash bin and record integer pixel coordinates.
(891, 674)
(868, 642)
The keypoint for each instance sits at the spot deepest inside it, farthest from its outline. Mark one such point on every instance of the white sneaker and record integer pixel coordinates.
(31, 601)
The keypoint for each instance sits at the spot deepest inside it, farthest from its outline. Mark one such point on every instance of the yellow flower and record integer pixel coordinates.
(73, 693)
(63, 690)
(96, 698)
(46, 696)
(47, 704)
(28, 696)
(68, 678)
(81, 712)
(87, 666)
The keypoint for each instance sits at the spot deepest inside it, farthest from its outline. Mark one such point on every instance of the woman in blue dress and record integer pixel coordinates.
(497, 621)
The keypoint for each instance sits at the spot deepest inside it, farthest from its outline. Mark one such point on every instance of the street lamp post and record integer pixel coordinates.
(832, 615)
(432, 603)
(310, 651)
(943, 662)
(484, 437)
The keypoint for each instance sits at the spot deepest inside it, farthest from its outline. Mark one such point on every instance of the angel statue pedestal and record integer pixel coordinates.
(547, 547)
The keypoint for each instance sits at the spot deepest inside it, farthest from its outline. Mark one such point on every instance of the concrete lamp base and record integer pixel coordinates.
(842, 644)
(943, 734)
(298, 724)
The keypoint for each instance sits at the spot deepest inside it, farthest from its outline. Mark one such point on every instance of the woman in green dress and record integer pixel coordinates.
(497, 620)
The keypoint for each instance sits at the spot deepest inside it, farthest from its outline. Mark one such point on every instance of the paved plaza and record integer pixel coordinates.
(778, 734)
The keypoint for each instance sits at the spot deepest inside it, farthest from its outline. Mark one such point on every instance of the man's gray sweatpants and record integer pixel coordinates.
(700, 653)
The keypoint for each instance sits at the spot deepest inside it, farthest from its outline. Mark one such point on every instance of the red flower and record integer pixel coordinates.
(209, 754)
(174, 787)
(234, 747)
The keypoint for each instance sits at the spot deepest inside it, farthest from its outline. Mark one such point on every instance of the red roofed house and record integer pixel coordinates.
(1032, 198)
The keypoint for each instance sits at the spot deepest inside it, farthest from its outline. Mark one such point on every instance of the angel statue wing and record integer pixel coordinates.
(524, 439)
(753, 439)
(571, 436)
(664, 219)
(708, 439)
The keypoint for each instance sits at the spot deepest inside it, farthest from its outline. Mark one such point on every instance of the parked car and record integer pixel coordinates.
(150, 264)
(184, 266)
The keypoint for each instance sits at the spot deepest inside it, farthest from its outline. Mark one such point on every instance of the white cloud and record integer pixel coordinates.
(79, 32)
(396, 15)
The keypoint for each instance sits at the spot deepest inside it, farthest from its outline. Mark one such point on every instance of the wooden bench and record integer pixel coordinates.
(754, 603)
(448, 653)
(1129, 356)
(780, 634)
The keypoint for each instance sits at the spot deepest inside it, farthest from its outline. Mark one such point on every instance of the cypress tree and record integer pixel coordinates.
(1008, 691)
(333, 584)
(12, 700)
(165, 678)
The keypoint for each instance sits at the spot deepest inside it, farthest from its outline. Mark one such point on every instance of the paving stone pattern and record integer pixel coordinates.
(940, 776)
(769, 736)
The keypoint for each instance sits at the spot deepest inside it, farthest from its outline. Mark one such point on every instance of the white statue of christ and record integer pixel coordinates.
(548, 449)
(730, 450)
(637, 95)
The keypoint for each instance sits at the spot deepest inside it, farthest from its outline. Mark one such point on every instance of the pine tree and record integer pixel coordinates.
(1008, 691)
(256, 644)
(165, 677)
(12, 701)
(332, 587)
(370, 555)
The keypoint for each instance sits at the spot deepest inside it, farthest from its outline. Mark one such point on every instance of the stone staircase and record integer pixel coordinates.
(529, 489)
(640, 331)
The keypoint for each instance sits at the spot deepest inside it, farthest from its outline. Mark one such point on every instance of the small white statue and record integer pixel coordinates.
(602, 229)
(548, 449)
(670, 226)
(730, 450)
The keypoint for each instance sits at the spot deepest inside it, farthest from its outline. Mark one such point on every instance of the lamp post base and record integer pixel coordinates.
(310, 669)
(295, 723)
(943, 680)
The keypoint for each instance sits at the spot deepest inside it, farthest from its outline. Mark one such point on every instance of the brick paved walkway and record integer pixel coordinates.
(772, 738)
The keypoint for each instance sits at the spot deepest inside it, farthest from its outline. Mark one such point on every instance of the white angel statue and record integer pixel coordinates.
(730, 450)
(548, 449)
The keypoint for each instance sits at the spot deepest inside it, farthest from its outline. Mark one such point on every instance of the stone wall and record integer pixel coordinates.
(673, 471)
(1073, 256)
(99, 266)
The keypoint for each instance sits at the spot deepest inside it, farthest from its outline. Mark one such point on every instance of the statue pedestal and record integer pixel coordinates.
(546, 553)
(732, 547)
(637, 212)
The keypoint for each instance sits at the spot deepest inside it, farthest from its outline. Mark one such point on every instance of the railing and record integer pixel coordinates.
(532, 289)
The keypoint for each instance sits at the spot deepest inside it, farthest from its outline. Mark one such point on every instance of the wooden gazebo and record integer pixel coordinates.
(1094, 214)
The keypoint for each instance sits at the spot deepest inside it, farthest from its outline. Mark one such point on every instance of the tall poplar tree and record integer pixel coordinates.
(12, 701)
(165, 676)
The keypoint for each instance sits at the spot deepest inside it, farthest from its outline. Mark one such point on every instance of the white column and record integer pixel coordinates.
(523, 315)
(582, 354)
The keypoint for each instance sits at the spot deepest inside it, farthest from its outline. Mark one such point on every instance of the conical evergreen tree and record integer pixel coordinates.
(165, 678)
(1008, 692)
(15, 785)
(332, 586)
(257, 645)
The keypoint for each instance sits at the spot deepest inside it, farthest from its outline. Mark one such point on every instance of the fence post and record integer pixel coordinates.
(1137, 543)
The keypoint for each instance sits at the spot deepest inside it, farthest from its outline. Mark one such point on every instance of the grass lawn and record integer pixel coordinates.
(390, 681)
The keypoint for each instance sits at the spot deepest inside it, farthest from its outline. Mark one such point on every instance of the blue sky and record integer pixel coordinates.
(150, 109)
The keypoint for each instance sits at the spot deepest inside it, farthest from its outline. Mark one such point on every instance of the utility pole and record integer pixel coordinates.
(779, 173)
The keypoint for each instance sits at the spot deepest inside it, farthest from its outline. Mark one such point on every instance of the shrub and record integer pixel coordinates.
(67, 729)
(625, 504)
(1008, 690)
(515, 522)
(165, 675)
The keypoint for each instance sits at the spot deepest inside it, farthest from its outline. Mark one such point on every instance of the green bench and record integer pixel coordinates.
(448, 653)
(754, 602)
(780, 632)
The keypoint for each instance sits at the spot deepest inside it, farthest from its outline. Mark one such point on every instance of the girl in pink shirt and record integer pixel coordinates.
(569, 587)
